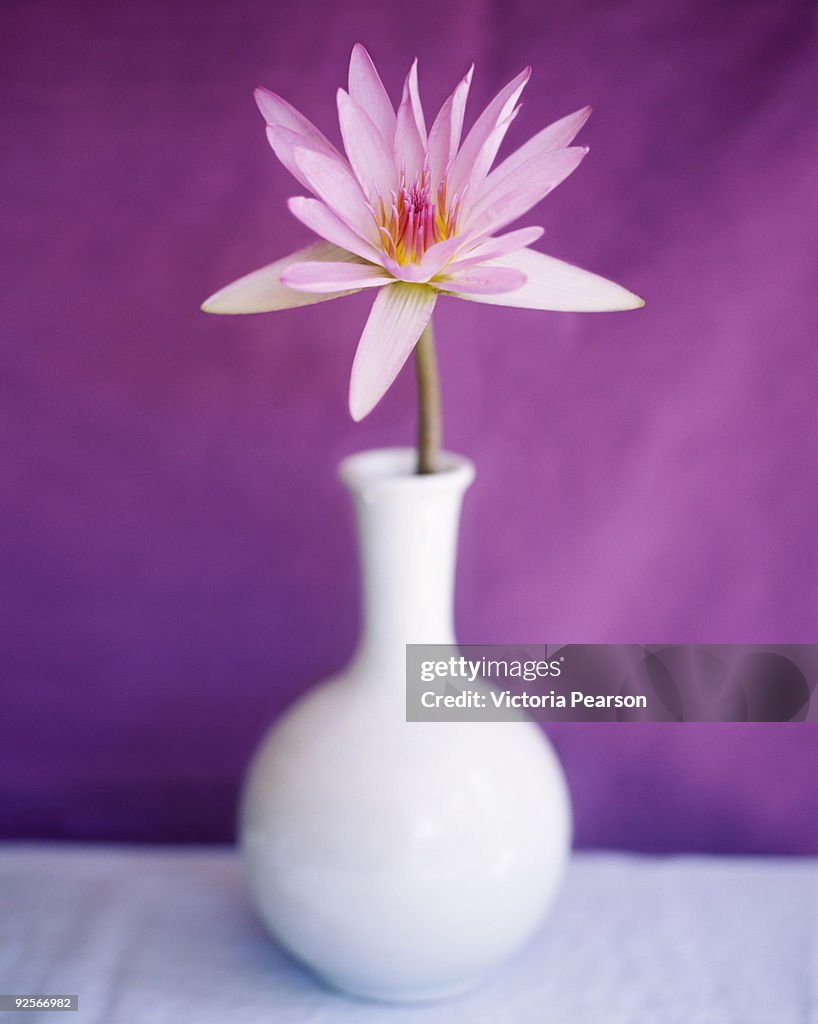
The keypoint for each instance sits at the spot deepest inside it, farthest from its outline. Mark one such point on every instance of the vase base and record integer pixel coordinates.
(397, 994)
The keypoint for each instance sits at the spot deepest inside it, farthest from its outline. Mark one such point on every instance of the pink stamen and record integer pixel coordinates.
(411, 222)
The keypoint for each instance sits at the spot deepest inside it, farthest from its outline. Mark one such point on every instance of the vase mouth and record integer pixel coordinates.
(390, 469)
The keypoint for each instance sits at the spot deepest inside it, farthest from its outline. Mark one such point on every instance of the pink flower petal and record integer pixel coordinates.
(329, 277)
(437, 256)
(514, 196)
(334, 183)
(320, 219)
(278, 112)
(556, 136)
(263, 292)
(493, 248)
(398, 317)
(409, 143)
(552, 284)
(498, 110)
(485, 157)
(561, 133)
(444, 138)
(414, 98)
(434, 260)
(485, 280)
(371, 160)
(285, 141)
(366, 88)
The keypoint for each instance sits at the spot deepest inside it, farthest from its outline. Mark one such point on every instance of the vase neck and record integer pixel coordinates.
(407, 533)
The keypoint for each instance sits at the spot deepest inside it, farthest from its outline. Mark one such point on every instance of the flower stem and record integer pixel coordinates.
(429, 421)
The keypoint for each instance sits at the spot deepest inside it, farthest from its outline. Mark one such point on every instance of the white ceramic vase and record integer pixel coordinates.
(401, 861)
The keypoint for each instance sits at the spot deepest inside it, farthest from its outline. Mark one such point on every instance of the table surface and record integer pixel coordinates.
(154, 935)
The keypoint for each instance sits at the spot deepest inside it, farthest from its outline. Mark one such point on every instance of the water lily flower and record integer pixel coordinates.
(415, 214)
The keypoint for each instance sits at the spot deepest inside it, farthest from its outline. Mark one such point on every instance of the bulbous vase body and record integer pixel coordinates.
(401, 860)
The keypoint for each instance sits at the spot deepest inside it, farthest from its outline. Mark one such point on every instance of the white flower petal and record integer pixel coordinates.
(329, 277)
(482, 280)
(553, 284)
(398, 317)
(262, 290)
(366, 88)
(493, 248)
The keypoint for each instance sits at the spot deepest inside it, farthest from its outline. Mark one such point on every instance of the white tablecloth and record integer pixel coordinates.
(166, 936)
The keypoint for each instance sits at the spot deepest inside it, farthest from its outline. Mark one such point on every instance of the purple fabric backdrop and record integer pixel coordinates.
(177, 556)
